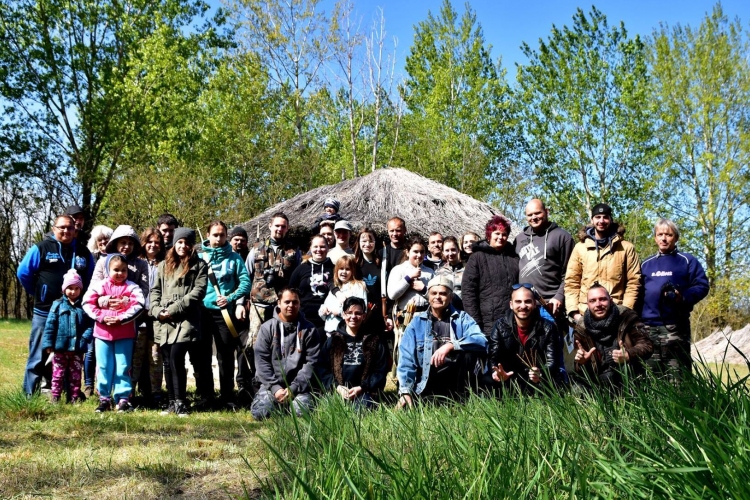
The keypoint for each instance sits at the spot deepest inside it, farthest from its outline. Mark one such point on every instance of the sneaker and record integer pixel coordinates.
(124, 406)
(88, 391)
(104, 405)
(169, 409)
(180, 409)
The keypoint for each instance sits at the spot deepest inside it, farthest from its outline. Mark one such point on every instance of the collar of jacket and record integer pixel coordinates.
(217, 254)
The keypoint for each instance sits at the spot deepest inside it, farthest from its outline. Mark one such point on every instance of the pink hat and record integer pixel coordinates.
(72, 279)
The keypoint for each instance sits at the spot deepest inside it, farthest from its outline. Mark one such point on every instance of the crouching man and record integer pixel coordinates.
(611, 341)
(286, 352)
(524, 347)
(439, 349)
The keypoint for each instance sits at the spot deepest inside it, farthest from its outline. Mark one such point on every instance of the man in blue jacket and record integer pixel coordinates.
(673, 282)
(41, 273)
(438, 350)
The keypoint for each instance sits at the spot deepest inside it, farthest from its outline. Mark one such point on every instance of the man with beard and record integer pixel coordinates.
(611, 341)
(602, 256)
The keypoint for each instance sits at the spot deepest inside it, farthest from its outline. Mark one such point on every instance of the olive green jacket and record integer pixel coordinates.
(182, 297)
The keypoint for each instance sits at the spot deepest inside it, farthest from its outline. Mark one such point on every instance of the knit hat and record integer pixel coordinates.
(237, 231)
(333, 203)
(72, 278)
(601, 209)
(187, 234)
(441, 280)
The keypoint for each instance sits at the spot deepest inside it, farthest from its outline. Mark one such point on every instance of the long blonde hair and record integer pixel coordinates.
(350, 262)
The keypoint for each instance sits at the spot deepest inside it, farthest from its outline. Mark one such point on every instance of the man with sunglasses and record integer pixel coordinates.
(41, 273)
(439, 348)
(524, 347)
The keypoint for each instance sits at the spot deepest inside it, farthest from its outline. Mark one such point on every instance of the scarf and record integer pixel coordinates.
(604, 331)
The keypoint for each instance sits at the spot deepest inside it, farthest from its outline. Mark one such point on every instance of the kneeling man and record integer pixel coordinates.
(439, 347)
(611, 339)
(286, 352)
(524, 347)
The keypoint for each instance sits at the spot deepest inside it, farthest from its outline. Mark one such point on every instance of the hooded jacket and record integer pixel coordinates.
(541, 347)
(138, 271)
(487, 283)
(43, 267)
(615, 267)
(369, 373)
(286, 361)
(126, 313)
(68, 328)
(182, 297)
(543, 259)
(230, 272)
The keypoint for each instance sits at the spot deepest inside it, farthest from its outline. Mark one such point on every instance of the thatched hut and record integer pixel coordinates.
(424, 204)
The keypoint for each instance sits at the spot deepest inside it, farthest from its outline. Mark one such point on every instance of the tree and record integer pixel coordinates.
(585, 117)
(67, 76)
(702, 94)
(458, 129)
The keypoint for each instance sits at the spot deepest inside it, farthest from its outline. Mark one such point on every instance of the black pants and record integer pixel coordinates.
(175, 374)
(200, 357)
(213, 325)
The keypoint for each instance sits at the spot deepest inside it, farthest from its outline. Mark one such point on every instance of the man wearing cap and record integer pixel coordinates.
(438, 350)
(524, 348)
(41, 272)
(238, 240)
(343, 232)
(602, 255)
(79, 216)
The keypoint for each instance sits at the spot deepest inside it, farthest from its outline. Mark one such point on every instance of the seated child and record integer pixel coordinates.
(330, 213)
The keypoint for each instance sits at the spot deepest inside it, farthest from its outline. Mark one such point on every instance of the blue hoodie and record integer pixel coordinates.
(230, 272)
(685, 273)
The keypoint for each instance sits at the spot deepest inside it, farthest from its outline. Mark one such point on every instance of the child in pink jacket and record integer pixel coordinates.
(114, 303)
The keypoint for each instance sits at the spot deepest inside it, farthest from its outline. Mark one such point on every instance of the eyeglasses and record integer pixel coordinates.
(66, 228)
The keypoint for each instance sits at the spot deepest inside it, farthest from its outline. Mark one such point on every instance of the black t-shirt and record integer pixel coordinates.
(370, 274)
(314, 281)
(394, 257)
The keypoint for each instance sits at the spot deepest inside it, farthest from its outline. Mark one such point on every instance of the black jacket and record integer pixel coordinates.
(488, 279)
(541, 347)
(369, 374)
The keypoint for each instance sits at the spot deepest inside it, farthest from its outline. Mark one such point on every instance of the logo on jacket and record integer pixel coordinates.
(319, 284)
(370, 280)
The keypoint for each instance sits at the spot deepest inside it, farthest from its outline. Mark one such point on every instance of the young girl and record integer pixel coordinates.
(367, 252)
(345, 285)
(66, 333)
(114, 332)
(453, 267)
(407, 282)
(147, 352)
(175, 301)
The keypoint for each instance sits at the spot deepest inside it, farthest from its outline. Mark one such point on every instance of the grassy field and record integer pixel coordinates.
(657, 442)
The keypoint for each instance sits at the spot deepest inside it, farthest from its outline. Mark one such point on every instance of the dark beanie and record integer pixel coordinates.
(333, 203)
(73, 210)
(184, 233)
(237, 231)
(601, 209)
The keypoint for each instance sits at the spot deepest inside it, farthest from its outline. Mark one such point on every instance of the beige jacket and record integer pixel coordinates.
(616, 267)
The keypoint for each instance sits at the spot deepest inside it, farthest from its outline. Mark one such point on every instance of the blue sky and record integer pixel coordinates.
(507, 23)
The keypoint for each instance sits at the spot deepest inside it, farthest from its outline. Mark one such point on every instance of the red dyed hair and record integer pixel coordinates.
(496, 223)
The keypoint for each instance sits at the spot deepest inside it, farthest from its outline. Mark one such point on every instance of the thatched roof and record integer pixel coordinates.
(424, 204)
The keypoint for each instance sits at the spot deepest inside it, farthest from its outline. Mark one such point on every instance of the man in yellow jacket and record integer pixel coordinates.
(602, 256)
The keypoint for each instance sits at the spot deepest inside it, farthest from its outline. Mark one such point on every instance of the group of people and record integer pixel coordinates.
(436, 317)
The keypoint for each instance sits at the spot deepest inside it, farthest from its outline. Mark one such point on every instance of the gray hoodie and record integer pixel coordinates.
(543, 259)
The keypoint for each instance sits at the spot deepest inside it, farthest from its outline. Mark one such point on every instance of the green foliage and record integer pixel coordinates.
(585, 113)
(701, 82)
(459, 129)
(660, 441)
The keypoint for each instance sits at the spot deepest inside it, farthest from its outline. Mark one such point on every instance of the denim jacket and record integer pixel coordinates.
(415, 349)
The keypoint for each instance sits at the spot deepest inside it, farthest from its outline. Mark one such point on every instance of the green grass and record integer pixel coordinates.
(657, 442)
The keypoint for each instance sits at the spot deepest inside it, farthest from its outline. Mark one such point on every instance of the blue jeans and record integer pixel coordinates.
(264, 404)
(89, 365)
(35, 363)
(114, 359)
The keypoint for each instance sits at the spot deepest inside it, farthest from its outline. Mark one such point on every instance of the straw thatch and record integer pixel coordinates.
(371, 200)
